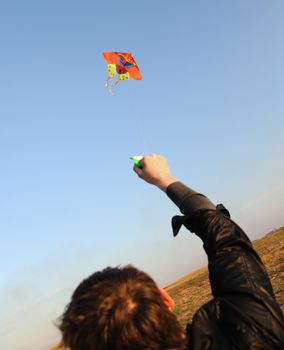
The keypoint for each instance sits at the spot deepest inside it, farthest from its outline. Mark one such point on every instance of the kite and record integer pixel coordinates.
(123, 64)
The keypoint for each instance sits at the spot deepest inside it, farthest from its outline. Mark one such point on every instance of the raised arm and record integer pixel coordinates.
(235, 270)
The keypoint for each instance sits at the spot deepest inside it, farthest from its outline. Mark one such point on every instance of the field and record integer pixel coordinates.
(193, 290)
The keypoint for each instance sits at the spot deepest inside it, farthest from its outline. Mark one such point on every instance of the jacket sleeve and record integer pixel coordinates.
(235, 269)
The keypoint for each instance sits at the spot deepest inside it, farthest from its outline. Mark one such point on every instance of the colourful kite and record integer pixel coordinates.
(123, 64)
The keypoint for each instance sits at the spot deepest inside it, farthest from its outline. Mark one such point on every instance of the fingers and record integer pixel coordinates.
(137, 170)
(144, 173)
(155, 171)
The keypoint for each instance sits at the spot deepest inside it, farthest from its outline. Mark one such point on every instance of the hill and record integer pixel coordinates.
(193, 290)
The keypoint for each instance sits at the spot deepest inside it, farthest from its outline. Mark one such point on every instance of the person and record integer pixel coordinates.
(122, 308)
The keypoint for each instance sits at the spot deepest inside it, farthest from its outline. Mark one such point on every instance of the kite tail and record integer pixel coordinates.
(112, 86)
(106, 83)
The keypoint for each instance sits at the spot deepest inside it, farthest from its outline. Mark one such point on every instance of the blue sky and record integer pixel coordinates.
(211, 101)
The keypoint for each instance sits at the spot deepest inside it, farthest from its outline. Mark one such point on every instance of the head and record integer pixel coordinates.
(120, 309)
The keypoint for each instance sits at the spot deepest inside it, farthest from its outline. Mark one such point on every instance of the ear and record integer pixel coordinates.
(167, 299)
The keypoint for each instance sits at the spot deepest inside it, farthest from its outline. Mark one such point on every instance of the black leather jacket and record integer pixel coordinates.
(243, 313)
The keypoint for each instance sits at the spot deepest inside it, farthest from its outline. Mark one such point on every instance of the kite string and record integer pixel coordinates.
(145, 145)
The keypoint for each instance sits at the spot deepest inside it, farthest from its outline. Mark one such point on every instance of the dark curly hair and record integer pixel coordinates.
(120, 309)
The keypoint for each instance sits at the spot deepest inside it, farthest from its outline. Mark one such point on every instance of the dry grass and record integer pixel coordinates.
(193, 290)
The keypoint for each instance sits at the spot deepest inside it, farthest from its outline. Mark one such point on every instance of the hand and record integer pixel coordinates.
(155, 170)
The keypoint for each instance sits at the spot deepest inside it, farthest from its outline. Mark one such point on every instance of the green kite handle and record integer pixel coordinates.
(136, 160)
